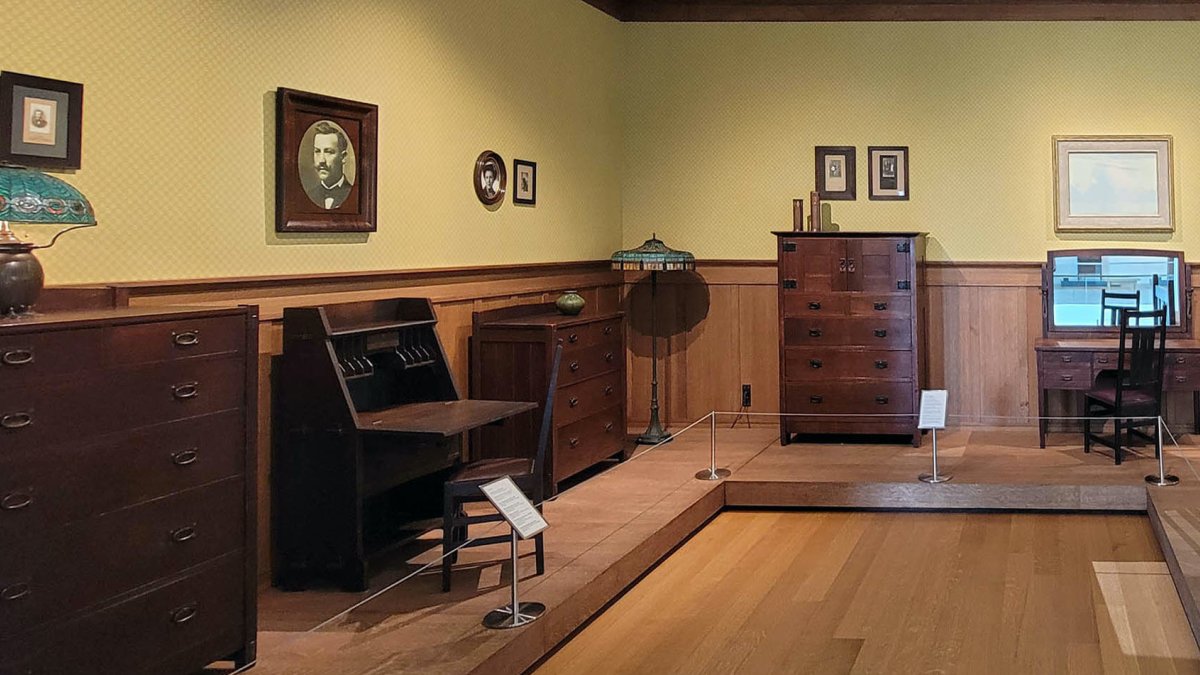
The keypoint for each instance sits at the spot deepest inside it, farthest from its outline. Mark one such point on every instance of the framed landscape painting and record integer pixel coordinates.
(1113, 184)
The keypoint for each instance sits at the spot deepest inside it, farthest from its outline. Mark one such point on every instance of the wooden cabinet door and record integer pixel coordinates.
(879, 265)
(812, 265)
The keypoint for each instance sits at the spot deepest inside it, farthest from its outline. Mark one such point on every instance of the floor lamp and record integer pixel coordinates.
(653, 256)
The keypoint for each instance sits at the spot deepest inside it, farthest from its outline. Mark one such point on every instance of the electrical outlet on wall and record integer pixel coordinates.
(745, 396)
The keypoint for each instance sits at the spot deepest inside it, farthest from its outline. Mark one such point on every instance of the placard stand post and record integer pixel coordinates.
(712, 472)
(933, 417)
(934, 477)
(527, 612)
(1162, 479)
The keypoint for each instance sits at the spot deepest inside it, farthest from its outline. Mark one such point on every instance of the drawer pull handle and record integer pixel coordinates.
(789, 283)
(183, 534)
(815, 363)
(573, 402)
(1068, 378)
(574, 366)
(879, 332)
(881, 400)
(1180, 359)
(608, 390)
(815, 399)
(880, 306)
(574, 442)
(186, 390)
(16, 591)
(1102, 359)
(573, 338)
(608, 427)
(185, 457)
(15, 501)
(608, 356)
(881, 364)
(16, 420)
(608, 330)
(18, 357)
(1181, 378)
(1066, 359)
(184, 614)
(814, 305)
(188, 338)
(814, 332)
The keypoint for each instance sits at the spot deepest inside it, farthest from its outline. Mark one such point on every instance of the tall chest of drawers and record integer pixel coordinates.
(851, 343)
(510, 360)
(127, 510)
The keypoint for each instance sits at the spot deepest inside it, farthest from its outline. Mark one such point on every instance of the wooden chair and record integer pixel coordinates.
(463, 487)
(1136, 388)
(1112, 302)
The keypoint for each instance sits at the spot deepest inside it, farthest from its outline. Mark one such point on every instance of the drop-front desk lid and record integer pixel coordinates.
(440, 418)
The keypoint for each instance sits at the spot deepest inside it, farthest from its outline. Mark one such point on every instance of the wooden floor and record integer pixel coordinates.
(838, 592)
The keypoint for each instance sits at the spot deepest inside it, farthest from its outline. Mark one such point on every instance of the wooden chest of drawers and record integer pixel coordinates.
(850, 332)
(510, 360)
(127, 511)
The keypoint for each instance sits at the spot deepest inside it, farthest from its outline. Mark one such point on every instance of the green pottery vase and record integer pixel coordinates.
(570, 303)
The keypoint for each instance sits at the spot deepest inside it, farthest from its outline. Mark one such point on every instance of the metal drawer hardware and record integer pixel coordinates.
(814, 332)
(16, 420)
(880, 306)
(17, 357)
(1068, 378)
(881, 400)
(841, 264)
(608, 390)
(608, 356)
(902, 248)
(608, 330)
(903, 285)
(1066, 359)
(608, 427)
(1101, 359)
(879, 332)
(815, 363)
(184, 614)
(185, 457)
(814, 305)
(1180, 359)
(789, 246)
(573, 338)
(881, 364)
(15, 501)
(183, 534)
(850, 265)
(789, 283)
(186, 390)
(1181, 378)
(815, 399)
(574, 442)
(573, 402)
(574, 366)
(187, 338)
(16, 591)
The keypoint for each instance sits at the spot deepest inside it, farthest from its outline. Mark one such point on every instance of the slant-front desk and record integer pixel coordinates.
(1083, 292)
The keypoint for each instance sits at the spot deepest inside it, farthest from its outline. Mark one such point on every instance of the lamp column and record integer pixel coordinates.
(654, 432)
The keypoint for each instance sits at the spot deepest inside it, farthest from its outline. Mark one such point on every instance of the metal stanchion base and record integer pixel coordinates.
(709, 474)
(1165, 481)
(503, 617)
(930, 478)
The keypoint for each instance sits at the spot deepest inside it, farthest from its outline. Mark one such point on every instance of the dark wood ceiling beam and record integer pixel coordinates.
(890, 10)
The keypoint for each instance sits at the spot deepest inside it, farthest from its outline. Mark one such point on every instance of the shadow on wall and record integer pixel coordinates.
(682, 304)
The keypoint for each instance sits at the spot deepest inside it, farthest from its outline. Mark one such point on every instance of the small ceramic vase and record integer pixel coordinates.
(570, 303)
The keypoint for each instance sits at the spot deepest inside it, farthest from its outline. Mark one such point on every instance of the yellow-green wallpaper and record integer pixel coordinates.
(721, 120)
(178, 136)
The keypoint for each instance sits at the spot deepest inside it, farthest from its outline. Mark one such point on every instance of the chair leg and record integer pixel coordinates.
(539, 552)
(1117, 441)
(1087, 427)
(448, 511)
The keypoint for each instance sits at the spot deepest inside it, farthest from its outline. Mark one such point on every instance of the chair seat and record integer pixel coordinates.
(1108, 395)
(491, 469)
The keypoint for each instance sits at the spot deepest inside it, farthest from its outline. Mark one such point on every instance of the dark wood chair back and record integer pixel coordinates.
(539, 459)
(1141, 358)
(1112, 302)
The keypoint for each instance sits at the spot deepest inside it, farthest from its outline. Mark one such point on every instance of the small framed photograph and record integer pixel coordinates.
(325, 163)
(524, 182)
(835, 172)
(888, 173)
(1113, 184)
(491, 178)
(41, 121)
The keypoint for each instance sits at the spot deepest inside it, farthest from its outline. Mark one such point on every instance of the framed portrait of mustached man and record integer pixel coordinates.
(325, 164)
(41, 122)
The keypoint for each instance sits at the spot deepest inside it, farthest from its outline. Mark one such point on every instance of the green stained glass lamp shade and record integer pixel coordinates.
(654, 256)
(28, 196)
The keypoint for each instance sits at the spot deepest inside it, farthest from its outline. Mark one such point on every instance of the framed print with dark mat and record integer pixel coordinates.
(524, 182)
(887, 173)
(835, 172)
(41, 122)
(325, 163)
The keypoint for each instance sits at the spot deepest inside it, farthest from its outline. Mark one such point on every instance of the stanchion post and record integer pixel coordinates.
(712, 472)
(934, 477)
(517, 613)
(1162, 479)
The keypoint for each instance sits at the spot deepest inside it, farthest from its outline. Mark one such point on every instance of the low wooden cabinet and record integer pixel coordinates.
(510, 359)
(127, 491)
(850, 332)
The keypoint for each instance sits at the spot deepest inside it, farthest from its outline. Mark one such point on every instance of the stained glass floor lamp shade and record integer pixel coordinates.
(653, 256)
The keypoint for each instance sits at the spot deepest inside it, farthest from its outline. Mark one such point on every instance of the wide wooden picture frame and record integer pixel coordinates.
(41, 122)
(326, 162)
(835, 169)
(1113, 184)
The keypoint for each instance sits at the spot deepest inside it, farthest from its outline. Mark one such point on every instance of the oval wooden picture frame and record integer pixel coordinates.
(490, 198)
